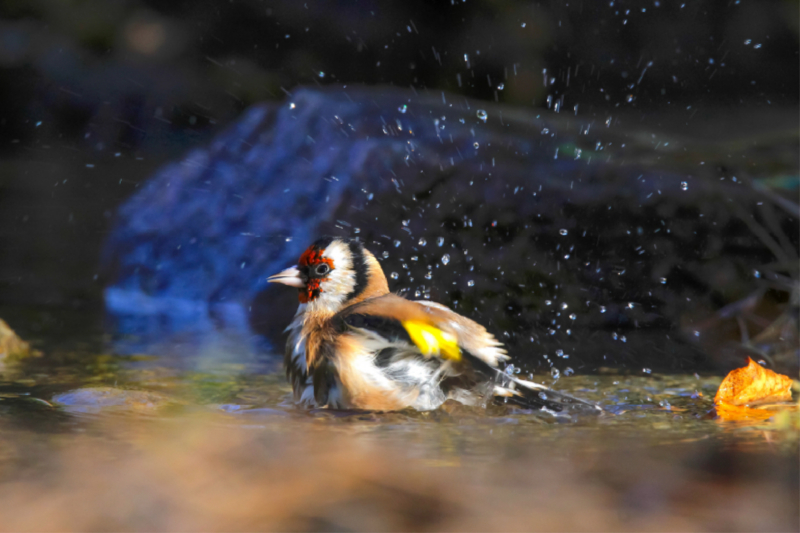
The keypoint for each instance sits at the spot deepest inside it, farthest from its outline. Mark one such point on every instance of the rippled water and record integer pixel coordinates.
(79, 424)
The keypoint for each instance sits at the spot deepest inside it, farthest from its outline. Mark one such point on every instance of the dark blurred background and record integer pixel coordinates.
(95, 95)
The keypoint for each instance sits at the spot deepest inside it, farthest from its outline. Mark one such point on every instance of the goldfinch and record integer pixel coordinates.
(355, 345)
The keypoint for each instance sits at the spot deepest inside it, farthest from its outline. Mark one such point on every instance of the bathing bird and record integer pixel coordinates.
(353, 344)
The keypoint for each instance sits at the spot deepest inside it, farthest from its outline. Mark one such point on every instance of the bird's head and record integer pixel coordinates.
(333, 273)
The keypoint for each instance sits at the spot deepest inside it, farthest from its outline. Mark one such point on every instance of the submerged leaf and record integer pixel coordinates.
(753, 384)
(727, 411)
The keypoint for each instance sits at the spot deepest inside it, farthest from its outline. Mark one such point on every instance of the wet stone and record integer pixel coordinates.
(595, 230)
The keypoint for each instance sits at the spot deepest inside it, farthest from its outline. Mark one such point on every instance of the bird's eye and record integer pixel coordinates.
(322, 269)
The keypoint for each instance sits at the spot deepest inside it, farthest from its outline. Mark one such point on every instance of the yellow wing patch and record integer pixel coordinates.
(432, 341)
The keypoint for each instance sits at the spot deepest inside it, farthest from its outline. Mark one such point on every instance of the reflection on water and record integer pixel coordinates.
(92, 440)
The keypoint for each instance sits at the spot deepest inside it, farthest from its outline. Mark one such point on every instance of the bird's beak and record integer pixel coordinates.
(290, 276)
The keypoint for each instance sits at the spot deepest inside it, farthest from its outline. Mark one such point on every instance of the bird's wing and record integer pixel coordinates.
(433, 328)
(439, 332)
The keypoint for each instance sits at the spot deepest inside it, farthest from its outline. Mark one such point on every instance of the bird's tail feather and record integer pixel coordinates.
(529, 394)
(533, 395)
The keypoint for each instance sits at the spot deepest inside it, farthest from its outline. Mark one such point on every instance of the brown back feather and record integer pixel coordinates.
(470, 335)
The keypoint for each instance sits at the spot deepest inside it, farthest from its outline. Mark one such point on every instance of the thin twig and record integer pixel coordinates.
(787, 205)
(768, 214)
(762, 234)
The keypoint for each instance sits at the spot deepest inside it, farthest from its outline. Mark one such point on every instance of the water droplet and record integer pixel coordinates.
(573, 316)
(321, 74)
(555, 373)
(564, 306)
(524, 24)
(631, 305)
(414, 258)
(663, 281)
(394, 275)
(560, 352)
(509, 370)
(602, 308)
(684, 186)
(757, 46)
(482, 115)
(440, 242)
(396, 243)
(629, 98)
(748, 41)
(429, 275)
(356, 230)
(471, 283)
(568, 371)
(543, 396)
(385, 255)
(646, 370)
(406, 222)
(756, 274)
(445, 259)
(476, 145)
(547, 302)
(422, 241)
(403, 108)
(501, 86)
(563, 232)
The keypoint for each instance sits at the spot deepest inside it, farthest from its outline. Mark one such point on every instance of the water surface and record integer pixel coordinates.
(92, 439)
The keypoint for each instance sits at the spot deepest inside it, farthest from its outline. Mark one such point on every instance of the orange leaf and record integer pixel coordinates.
(753, 384)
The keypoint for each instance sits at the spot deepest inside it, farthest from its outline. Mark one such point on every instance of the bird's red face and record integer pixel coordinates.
(316, 269)
(312, 269)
